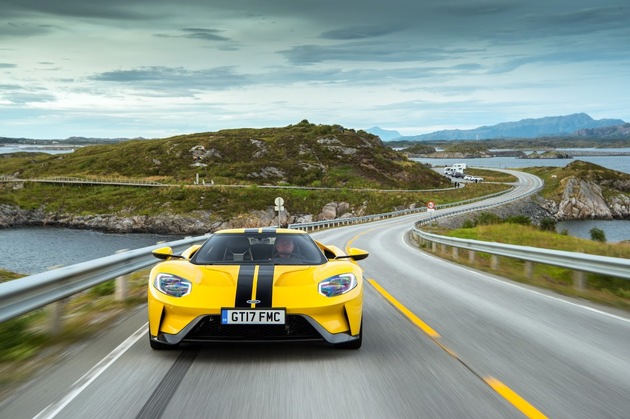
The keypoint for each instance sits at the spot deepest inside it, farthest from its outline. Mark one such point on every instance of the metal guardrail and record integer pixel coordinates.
(617, 267)
(578, 262)
(336, 222)
(26, 294)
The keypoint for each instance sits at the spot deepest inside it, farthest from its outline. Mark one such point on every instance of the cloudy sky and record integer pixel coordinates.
(157, 68)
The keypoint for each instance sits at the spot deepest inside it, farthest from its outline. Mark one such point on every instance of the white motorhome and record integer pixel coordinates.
(449, 170)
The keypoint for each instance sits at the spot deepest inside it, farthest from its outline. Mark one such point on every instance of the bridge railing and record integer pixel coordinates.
(84, 181)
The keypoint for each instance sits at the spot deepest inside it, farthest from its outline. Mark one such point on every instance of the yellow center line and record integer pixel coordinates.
(517, 401)
(414, 319)
(349, 244)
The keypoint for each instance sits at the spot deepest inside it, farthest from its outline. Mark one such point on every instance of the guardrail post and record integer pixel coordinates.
(434, 247)
(122, 286)
(55, 312)
(579, 280)
(494, 262)
(529, 269)
(471, 256)
(455, 252)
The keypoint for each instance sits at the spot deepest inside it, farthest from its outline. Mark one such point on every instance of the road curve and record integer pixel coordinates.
(471, 345)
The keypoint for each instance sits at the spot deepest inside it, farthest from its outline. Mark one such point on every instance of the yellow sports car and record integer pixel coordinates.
(262, 284)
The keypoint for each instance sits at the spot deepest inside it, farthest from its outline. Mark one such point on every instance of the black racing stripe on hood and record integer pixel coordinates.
(244, 285)
(264, 288)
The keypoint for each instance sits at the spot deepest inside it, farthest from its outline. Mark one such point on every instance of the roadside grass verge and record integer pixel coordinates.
(610, 291)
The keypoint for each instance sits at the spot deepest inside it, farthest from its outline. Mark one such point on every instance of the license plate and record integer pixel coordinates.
(253, 316)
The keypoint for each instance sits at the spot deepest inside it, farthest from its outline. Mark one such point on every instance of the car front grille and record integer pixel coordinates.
(210, 329)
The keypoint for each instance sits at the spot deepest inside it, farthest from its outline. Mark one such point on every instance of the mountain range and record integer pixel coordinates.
(579, 124)
(575, 125)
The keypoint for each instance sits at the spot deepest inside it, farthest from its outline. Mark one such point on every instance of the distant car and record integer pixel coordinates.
(457, 174)
(473, 178)
(469, 177)
(251, 285)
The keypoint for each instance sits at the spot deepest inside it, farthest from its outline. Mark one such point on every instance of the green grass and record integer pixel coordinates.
(303, 155)
(218, 203)
(8, 275)
(611, 291)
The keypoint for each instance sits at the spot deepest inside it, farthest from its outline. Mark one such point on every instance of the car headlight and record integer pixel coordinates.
(172, 285)
(337, 285)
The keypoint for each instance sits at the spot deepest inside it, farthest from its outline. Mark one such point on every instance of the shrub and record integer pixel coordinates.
(519, 219)
(548, 224)
(597, 235)
(487, 218)
(469, 224)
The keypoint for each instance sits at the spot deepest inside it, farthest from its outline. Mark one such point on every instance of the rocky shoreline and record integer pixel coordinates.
(197, 223)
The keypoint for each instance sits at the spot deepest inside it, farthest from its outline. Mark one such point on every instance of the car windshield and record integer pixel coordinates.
(262, 248)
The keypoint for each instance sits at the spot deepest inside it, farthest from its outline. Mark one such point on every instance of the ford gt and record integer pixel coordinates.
(262, 284)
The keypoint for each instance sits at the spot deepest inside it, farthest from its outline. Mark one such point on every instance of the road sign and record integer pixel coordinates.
(279, 207)
(279, 204)
(430, 206)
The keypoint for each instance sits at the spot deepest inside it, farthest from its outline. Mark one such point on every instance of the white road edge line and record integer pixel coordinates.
(466, 268)
(54, 408)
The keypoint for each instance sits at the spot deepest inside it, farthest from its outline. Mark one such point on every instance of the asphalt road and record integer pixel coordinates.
(471, 345)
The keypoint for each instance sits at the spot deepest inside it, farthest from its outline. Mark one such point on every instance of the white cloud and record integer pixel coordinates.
(155, 68)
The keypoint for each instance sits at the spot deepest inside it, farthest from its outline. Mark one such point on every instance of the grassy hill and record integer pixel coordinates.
(297, 155)
(303, 155)
(611, 181)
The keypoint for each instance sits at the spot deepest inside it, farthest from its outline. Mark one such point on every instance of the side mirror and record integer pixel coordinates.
(357, 254)
(164, 253)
